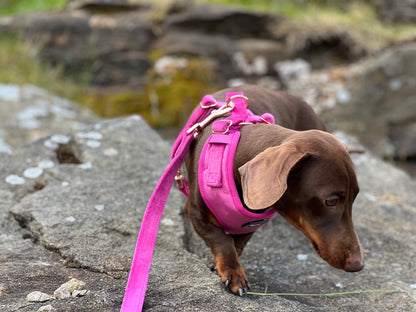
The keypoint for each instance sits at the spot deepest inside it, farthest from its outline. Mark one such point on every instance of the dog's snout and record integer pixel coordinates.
(354, 264)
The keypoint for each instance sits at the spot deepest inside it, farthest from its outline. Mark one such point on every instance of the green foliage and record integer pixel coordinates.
(11, 7)
(358, 19)
(166, 101)
(20, 64)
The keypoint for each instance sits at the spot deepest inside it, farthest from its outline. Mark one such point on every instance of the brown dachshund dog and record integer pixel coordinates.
(294, 167)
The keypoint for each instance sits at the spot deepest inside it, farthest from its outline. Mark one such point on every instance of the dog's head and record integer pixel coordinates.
(310, 180)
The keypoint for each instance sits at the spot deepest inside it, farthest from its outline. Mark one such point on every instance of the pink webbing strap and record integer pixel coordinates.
(139, 272)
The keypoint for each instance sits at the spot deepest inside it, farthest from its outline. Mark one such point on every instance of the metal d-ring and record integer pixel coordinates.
(237, 96)
(230, 123)
(208, 106)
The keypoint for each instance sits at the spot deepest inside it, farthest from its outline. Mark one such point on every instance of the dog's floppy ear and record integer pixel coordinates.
(264, 178)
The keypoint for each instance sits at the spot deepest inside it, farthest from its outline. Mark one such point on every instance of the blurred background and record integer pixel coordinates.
(353, 61)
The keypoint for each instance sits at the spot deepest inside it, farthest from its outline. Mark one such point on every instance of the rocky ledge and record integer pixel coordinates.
(71, 204)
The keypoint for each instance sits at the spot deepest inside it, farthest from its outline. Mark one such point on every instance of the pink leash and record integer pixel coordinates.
(139, 273)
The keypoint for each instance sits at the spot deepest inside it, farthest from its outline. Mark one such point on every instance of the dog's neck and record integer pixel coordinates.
(252, 141)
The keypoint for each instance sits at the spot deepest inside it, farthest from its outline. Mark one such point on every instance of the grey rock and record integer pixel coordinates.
(373, 100)
(55, 232)
(234, 22)
(289, 70)
(38, 296)
(3, 289)
(115, 41)
(67, 289)
(397, 11)
(101, 5)
(80, 293)
(74, 284)
(46, 308)
(28, 113)
(112, 47)
(62, 293)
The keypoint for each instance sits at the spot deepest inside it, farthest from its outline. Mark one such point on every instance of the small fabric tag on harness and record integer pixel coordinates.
(217, 146)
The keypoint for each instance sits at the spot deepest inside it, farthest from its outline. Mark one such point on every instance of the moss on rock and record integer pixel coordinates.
(165, 100)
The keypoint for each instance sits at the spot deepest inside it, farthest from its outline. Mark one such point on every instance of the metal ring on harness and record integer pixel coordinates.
(225, 128)
(208, 106)
(237, 96)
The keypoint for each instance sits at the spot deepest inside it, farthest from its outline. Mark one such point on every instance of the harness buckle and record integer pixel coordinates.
(226, 108)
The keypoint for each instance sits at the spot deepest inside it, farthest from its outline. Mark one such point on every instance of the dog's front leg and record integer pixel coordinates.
(222, 247)
(240, 241)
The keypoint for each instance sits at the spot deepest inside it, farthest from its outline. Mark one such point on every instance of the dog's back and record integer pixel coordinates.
(289, 111)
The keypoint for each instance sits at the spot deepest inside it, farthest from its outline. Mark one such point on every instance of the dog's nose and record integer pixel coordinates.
(354, 265)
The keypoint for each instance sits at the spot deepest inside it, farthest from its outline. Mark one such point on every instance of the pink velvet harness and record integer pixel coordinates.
(215, 172)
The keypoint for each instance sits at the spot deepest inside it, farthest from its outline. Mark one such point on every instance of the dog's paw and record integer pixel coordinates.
(234, 278)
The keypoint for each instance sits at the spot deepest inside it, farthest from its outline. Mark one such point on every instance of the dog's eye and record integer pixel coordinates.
(331, 201)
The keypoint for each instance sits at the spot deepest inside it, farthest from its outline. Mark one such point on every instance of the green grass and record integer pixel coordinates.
(11, 7)
(20, 64)
(358, 18)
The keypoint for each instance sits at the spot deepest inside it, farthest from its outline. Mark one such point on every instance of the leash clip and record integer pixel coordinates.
(197, 128)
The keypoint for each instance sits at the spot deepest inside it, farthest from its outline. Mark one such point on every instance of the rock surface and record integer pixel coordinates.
(28, 113)
(397, 11)
(373, 99)
(137, 50)
(117, 42)
(80, 218)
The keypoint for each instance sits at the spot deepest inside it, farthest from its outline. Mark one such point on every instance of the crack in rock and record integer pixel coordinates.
(66, 154)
